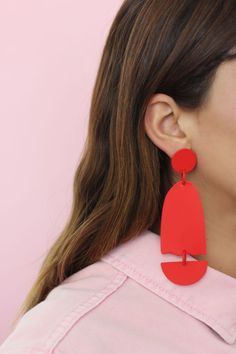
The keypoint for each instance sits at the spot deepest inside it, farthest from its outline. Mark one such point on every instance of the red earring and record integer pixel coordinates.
(182, 228)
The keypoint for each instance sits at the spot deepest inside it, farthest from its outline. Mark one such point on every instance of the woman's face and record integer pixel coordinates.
(213, 137)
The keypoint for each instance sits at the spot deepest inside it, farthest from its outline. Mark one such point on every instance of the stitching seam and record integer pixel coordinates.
(212, 320)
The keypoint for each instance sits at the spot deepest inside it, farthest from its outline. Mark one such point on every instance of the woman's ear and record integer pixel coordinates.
(164, 124)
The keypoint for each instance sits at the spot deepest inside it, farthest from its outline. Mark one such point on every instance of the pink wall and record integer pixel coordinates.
(50, 50)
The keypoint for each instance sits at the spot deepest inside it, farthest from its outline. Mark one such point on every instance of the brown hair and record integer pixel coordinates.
(167, 46)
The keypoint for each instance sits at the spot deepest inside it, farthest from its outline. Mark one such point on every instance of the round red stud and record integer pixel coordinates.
(184, 160)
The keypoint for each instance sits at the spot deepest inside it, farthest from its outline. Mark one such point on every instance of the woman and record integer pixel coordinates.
(166, 82)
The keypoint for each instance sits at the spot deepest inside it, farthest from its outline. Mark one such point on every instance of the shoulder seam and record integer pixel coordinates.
(83, 308)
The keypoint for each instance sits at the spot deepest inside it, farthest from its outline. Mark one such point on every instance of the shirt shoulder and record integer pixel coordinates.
(42, 328)
(123, 303)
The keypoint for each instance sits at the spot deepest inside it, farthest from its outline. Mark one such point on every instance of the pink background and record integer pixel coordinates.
(50, 51)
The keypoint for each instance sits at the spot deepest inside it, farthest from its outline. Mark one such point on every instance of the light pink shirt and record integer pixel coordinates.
(124, 304)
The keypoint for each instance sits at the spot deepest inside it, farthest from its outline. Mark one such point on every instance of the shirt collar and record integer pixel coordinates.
(211, 300)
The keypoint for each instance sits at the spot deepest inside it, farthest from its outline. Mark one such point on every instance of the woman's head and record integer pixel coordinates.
(152, 95)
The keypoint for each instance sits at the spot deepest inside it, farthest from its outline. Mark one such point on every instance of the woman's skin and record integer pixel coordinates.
(211, 133)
